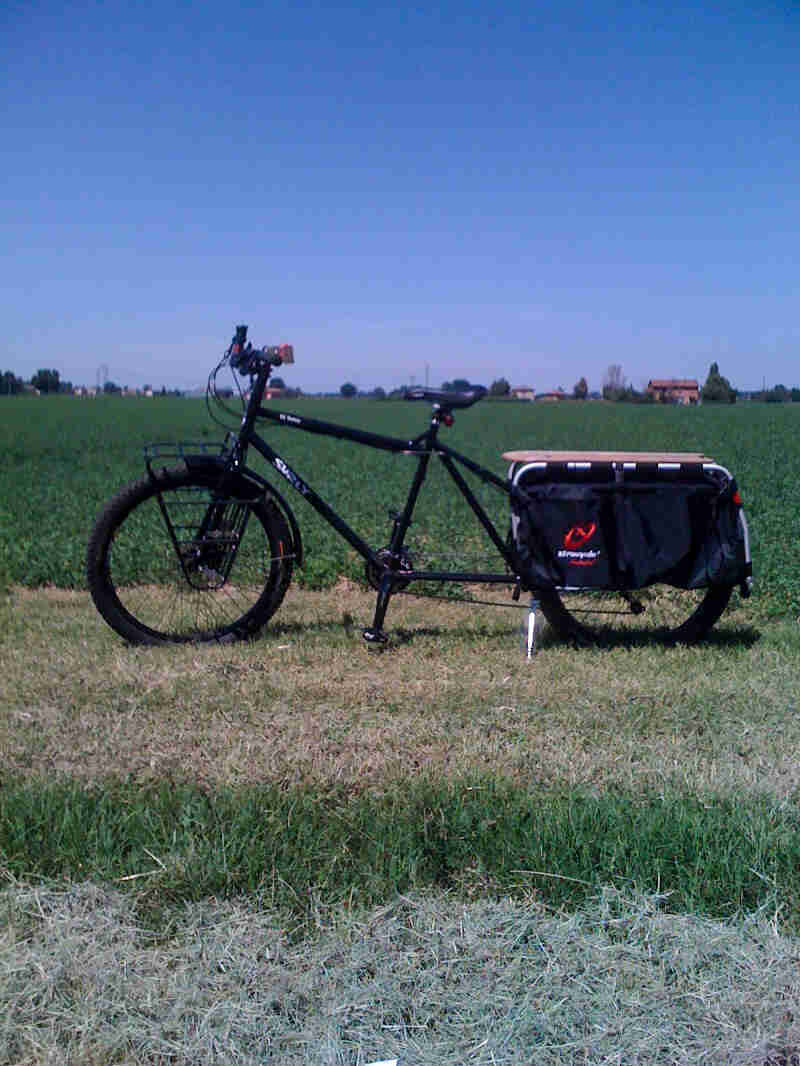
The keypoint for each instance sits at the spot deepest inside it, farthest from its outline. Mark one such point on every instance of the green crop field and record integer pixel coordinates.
(63, 457)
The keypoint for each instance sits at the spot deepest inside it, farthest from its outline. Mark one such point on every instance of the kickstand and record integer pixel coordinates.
(530, 637)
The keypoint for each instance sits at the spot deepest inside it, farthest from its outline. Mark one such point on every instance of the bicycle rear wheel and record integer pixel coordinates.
(170, 561)
(659, 612)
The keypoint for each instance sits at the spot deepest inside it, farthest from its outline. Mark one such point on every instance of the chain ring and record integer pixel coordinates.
(375, 576)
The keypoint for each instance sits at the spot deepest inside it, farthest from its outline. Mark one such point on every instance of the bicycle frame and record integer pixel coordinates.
(387, 564)
(237, 541)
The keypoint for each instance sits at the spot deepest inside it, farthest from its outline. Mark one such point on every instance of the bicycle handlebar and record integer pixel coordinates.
(249, 360)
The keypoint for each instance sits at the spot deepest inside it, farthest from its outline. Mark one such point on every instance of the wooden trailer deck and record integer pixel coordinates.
(682, 458)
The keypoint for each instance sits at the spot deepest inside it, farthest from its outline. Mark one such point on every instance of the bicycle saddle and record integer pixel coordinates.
(448, 401)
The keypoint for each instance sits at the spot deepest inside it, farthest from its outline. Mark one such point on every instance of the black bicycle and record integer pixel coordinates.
(203, 547)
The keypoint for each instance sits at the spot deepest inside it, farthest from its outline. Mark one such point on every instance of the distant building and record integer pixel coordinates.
(674, 390)
(523, 392)
(271, 393)
(551, 397)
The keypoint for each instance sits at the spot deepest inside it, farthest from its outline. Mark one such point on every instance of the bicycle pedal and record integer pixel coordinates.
(375, 636)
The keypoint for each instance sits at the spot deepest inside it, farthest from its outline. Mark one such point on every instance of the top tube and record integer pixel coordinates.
(334, 429)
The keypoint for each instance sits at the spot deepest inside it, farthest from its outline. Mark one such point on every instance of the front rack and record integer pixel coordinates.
(169, 451)
(205, 530)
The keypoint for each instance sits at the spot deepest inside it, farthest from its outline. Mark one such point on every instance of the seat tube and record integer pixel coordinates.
(403, 520)
(375, 634)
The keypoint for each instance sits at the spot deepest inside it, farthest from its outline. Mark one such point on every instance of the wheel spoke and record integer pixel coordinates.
(657, 612)
(169, 562)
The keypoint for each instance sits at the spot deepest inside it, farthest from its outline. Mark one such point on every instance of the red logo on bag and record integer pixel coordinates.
(576, 537)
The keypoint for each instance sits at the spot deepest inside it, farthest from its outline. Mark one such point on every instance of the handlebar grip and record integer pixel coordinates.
(244, 357)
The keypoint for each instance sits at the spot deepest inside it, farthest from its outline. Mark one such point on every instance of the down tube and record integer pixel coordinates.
(319, 505)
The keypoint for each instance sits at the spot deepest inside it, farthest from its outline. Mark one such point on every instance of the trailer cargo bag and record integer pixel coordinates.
(597, 532)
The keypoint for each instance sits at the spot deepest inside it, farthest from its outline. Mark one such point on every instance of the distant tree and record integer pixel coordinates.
(499, 388)
(795, 395)
(717, 389)
(378, 393)
(613, 383)
(111, 386)
(614, 378)
(780, 394)
(10, 384)
(630, 395)
(581, 389)
(277, 383)
(46, 380)
(348, 390)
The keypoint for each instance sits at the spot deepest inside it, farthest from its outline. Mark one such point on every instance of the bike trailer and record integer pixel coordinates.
(625, 520)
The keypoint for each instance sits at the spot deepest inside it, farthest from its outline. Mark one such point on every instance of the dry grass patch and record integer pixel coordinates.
(426, 981)
(309, 701)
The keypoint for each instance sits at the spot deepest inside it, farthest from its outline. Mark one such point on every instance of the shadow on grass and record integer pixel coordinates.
(723, 637)
(397, 637)
(352, 627)
(726, 637)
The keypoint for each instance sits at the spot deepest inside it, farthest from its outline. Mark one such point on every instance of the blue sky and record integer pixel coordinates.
(468, 190)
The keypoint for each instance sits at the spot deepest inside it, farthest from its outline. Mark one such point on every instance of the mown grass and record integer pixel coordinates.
(85, 982)
(304, 765)
(182, 830)
(310, 703)
(294, 846)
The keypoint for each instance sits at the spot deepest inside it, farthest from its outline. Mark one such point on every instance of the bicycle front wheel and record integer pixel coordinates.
(171, 561)
(659, 612)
